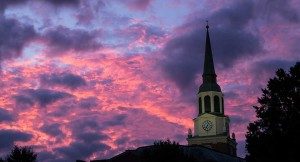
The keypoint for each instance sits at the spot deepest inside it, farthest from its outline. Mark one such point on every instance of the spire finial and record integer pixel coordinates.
(207, 24)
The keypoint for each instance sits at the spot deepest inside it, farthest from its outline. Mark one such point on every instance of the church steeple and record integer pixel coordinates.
(209, 76)
(211, 126)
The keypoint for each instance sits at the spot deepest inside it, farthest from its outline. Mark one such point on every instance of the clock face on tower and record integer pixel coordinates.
(207, 125)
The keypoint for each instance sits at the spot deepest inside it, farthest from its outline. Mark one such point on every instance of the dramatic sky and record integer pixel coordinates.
(85, 79)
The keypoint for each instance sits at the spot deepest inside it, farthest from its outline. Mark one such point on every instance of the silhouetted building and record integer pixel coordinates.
(198, 153)
(211, 126)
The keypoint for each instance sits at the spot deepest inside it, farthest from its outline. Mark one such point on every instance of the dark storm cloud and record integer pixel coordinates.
(80, 127)
(93, 123)
(42, 96)
(274, 9)
(88, 134)
(184, 54)
(52, 129)
(85, 123)
(237, 16)
(56, 3)
(46, 156)
(80, 150)
(295, 48)
(137, 4)
(62, 110)
(116, 120)
(65, 79)
(5, 3)
(273, 65)
(183, 58)
(5, 116)
(23, 101)
(63, 2)
(122, 140)
(13, 37)
(8, 137)
(231, 45)
(267, 68)
(62, 39)
(88, 11)
(90, 137)
(89, 102)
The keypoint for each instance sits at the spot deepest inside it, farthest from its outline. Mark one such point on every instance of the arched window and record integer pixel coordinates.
(217, 104)
(222, 105)
(200, 105)
(207, 104)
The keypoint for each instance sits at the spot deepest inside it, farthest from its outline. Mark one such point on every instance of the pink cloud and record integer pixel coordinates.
(120, 95)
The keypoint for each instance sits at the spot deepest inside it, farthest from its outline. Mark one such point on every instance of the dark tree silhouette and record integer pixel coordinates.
(275, 135)
(21, 154)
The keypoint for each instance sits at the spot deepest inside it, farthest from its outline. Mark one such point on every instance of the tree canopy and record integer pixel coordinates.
(21, 154)
(275, 135)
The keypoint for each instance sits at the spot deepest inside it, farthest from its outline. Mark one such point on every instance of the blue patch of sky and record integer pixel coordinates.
(25, 15)
(31, 50)
(65, 17)
(145, 49)
(168, 14)
(31, 13)
(233, 87)
(163, 15)
(159, 13)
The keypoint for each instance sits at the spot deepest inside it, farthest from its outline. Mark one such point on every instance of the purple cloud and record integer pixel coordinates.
(43, 97)
(68, 80)
(5, 116)
(9, 136)
(62, 39)
(52, 129)
(137, 4)
(277, 10)
(63, 2)
(89, 102)
(14, 36)
(230, 42)
(5, 3)
(88, 11)
(80, 150)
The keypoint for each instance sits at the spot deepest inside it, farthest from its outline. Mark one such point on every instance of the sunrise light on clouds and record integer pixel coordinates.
(104, 76)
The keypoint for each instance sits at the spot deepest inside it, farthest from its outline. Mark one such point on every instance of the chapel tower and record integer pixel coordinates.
(211, 126)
